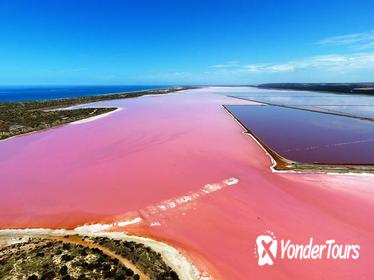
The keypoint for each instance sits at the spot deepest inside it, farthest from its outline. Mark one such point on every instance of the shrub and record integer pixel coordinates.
(66, 258)
(129, 272)
(48, 275)
(64, 270)
(40, 254)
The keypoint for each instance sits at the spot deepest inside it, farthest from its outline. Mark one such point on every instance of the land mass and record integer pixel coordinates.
(81, 257)
(351, 88)
(24, 117)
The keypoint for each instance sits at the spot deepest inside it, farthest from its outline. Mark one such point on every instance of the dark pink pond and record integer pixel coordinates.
(309, 137)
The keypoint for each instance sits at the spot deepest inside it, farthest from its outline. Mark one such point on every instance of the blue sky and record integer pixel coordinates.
(185, 42)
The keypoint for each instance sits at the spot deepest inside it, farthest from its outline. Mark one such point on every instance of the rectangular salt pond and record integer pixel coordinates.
(346, 104)
(309, 137)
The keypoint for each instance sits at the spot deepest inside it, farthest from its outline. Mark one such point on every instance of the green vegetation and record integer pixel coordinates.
(51, 259)
(143, 257)
(20, 121)
(77, 257)
(23, 117)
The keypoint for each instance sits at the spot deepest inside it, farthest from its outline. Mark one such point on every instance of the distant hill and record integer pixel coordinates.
(355, 88)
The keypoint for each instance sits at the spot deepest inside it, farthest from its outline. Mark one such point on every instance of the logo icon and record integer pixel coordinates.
(266, 248)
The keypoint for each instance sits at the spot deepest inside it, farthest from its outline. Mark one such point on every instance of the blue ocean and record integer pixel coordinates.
(26, 93)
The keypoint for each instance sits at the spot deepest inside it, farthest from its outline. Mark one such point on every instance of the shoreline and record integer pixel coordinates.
(185, 269)
(97, 117)
(81, 121)
(63, 105)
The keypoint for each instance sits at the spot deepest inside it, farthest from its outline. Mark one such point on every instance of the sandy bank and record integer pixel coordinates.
(179, 263)
(91, 119)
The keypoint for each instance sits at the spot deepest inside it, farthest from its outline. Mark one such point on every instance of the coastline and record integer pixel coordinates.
(81, 121)
(52, 113)
(185, 269)
(90, 119)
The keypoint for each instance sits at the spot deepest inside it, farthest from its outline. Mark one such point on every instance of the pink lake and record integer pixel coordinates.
(184, 148)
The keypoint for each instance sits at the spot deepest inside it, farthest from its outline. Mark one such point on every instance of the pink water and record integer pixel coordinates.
(159, 148)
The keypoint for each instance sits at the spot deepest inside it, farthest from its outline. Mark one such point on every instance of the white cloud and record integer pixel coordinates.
(368, 45)
(331, 62)
(270, 68)
(228, 64)
(220, 66)
(359, 41)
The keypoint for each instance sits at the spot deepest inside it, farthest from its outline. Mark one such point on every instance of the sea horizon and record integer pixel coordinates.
(14, 93)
